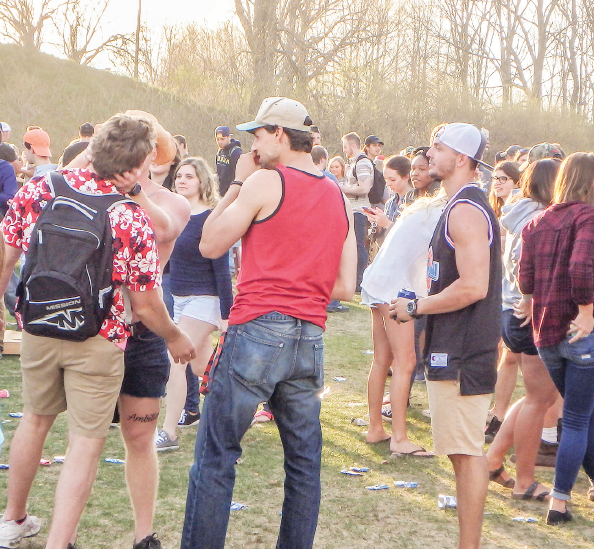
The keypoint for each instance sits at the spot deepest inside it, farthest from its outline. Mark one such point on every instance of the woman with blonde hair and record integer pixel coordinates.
(201, 289)
(556, 279)
(337, 168)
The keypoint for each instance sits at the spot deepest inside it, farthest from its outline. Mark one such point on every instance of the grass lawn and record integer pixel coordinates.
(350, 515)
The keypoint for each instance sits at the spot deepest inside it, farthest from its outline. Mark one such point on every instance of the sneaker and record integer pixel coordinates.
(387, 413)
(186, 419)
(150, 542)
(492, 430)
(12, 533)
(164, 443)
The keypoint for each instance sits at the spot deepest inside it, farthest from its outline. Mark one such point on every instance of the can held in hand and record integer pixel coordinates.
(407, 294)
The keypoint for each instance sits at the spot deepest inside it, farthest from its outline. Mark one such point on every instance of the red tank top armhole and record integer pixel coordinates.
(282, 199)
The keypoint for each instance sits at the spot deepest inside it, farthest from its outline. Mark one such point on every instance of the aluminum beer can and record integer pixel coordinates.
(408, 294)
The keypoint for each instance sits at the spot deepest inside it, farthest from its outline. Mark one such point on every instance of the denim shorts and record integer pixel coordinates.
(146, 366)
(516, 338)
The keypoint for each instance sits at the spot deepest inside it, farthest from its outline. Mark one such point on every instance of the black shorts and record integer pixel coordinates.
(516, 338)
(146, 366)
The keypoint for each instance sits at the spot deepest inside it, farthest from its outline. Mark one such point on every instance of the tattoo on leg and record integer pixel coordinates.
(144, 419)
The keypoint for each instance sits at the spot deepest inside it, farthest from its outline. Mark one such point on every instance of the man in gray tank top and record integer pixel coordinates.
(463, 322)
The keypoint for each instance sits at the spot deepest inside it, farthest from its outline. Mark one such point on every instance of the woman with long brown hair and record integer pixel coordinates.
(556, 278)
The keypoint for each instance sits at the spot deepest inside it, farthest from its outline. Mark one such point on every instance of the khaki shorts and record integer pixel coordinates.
(457, 422)
(81, 376)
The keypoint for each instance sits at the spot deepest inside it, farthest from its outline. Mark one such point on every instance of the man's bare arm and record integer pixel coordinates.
(169, 213)
(150, 309)
(346, 280)
(11, 256)
(229, 221)
(469, 231)
(362, 189)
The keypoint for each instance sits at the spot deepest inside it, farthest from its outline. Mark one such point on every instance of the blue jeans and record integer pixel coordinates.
(362, 253)
(274, 358)
(572, 368)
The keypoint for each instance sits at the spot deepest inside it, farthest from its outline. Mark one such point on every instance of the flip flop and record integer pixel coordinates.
(414, 453)
(388, 439)
(495, 476)
(528, 495)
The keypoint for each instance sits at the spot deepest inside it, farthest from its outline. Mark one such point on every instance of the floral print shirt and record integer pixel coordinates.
(135, 257)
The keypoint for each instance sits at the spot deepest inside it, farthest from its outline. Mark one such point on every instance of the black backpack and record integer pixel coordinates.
(376, 194)
(66, 287)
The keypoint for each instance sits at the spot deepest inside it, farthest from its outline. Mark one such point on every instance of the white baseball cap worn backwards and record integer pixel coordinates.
(464, 139)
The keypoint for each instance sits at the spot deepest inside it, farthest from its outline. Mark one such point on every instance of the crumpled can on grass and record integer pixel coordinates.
(525, 519)
(405, 484)
(378, 487)
(351, 473)
(235, 506)
(339, 378)
(16, 414)
(359, 422)
(444, 502)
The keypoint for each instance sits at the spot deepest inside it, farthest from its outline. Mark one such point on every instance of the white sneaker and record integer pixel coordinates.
(12, 533)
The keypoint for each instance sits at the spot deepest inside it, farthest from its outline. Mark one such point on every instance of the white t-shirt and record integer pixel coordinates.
(402, 260)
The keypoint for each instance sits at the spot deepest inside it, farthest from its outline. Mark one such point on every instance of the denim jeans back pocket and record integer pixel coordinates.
(581, 353)
(253, 358)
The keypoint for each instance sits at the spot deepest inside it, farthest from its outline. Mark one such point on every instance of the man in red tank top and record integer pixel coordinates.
(298, 252)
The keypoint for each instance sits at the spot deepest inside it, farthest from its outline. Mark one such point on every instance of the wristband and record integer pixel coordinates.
(240, 183)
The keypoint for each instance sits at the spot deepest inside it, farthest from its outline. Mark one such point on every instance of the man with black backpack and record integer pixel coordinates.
(86, 243)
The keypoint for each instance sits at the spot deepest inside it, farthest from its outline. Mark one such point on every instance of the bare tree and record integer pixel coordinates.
(23, 24)
(80, 29)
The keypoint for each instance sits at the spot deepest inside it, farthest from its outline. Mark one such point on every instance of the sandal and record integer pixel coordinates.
(415, 453)
(528, 495)
(495, 476)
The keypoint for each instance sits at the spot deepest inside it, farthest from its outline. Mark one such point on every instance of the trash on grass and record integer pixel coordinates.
(351, 473)
(59, 459)
(525, 519)
(378, 487)
(3, 465)
(114, 460)
(405, 484)
(368, 352)
(339, 378)
(237, 506)
(360, 469)
(16, 414)
(444, 502)
(359, 422)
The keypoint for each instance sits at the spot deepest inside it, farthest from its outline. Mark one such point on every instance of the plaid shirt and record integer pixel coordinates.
(557, 268)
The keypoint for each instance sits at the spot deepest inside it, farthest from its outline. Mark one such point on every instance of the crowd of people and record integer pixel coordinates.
(470, 272)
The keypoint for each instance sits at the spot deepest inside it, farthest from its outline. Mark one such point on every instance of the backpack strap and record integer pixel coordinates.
(60, 187)
(361, 157)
